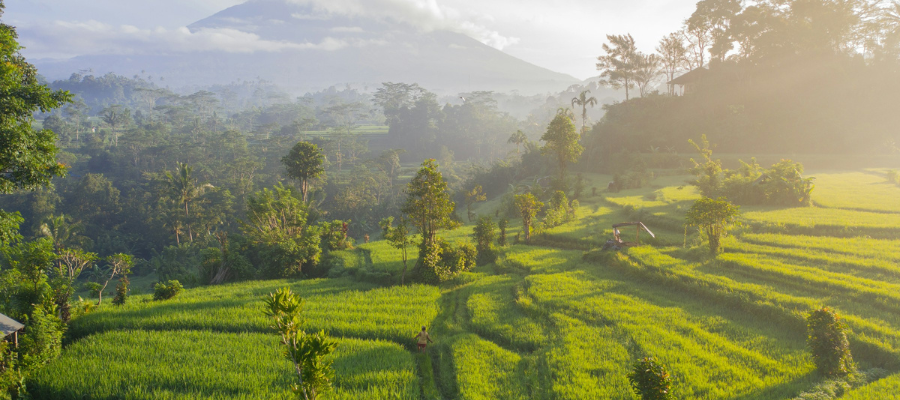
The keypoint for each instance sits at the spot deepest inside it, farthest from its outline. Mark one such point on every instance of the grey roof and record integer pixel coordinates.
(693, 75)
(9, 325)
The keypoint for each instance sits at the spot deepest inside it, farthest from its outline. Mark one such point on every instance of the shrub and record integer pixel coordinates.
(10, 376)
(442, 261)
(828, 343)
(168, 290)
(121, 291)
(484, 240)
(503, 224)
(42, 341)
(334, 235)
(650, 380)
(893, 177)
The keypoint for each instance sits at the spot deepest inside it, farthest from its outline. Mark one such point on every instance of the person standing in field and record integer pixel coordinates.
(422, 339)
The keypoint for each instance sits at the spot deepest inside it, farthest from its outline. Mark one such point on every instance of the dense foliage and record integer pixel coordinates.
(650, 380)
(712, 217)
(827, 339)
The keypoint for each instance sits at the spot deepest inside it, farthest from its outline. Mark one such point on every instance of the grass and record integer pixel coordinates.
(856, 191)
(195, 364)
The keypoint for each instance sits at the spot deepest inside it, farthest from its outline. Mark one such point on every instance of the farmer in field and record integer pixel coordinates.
(422, 339)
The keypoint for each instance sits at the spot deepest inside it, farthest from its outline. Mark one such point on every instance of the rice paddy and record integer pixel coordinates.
(552, 319)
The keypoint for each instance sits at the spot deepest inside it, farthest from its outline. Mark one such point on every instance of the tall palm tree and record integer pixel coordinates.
(183, 190)
(584, 101)
(518, 139)
(62, 231)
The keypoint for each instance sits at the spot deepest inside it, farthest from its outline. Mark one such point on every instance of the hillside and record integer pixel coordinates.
(325, 49)
(548, 320)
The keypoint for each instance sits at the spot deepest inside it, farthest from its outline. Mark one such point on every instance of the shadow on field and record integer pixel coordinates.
(785, 390)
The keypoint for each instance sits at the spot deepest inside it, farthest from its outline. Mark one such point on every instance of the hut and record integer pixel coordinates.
(689, 80)
(9, 326)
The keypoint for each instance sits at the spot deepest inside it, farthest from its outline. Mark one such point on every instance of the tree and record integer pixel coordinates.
(712, 218)
(70, 264)
(619, 62)
(473, 196)
(528, 207)
(276, 224)
(307, 352)
(828, 342)
(304, 163)
(650, 380)
(645, 71)
(399, 238)
(671, 53)
(183, 190)
(562, 141)
(116, 117)
(583, 101)
(119, 265)
(714, 16)
(27, 155)
(428, 205)
(519, 138)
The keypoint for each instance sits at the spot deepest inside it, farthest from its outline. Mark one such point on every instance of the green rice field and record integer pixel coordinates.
(555, 318)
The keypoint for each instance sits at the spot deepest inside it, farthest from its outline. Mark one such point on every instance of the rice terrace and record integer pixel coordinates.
(450, 199)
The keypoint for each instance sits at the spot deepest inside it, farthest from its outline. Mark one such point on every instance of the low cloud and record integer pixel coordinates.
(426, 15)
(93, 37)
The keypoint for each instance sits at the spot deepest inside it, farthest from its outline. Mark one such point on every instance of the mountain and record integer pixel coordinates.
(322, 49)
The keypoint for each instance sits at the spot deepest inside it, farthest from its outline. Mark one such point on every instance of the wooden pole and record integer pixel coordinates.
(637, 234)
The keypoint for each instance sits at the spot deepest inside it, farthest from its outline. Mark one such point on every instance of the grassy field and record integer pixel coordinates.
(552, 319)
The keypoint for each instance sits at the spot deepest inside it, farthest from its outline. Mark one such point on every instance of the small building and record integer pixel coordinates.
(689, 80)
(9, 326)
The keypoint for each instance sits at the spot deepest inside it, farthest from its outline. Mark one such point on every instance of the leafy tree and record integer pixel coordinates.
(428, 205)
(671, 53)
(276, 225)
(70, 264)
(307, 352)
(650, 380)
(119, 265)
(618, 64)
(646, 70)
(399, 238)
(562, 141)
(583, 101)
(528, 207)
(827, 340)
(712, 218)
(304, 163)
(473, 196)
(27, 155)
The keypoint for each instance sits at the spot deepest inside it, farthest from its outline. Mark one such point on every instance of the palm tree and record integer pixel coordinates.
(183, 190)
(518, 139)
(584, 101)
(61, 231)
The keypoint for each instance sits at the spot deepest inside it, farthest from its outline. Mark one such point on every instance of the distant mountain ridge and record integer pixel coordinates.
(343, 50)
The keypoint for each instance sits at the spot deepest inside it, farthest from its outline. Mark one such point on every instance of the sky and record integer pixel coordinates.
(564, 38)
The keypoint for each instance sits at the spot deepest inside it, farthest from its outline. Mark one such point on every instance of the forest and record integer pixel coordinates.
(769, 182)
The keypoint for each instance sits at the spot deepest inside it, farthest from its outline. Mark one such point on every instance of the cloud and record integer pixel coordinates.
(426, 15)
(347, 29)
(94, 37)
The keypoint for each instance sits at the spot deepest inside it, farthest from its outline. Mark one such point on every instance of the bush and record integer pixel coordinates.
(42, 341)
(893, 177)
(503, 224)
(10, 376)
(484, 239)
(828, 343)
(168, 290)
(442, 261)
(177, 262)
(334, 235)
(713, 218)
(650, 380)
(121, 291)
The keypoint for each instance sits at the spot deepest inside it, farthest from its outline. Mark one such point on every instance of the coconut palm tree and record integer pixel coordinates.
(183, 190)
(518, 138)
(584, 101)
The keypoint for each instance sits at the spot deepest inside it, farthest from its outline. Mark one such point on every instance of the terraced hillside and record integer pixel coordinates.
(551, 319)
